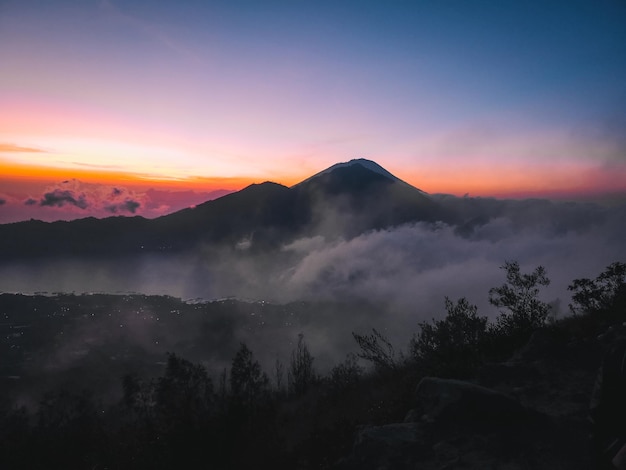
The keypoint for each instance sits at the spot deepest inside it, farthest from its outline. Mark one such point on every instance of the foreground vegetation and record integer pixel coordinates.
(292, 417)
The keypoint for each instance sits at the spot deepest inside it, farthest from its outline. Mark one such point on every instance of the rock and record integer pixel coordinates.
(543, 344)
(393, 446)
(507, 374)
(413, 416)
(446, 402)
(459, 424)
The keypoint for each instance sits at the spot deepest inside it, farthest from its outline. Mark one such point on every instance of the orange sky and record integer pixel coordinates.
(191, 97)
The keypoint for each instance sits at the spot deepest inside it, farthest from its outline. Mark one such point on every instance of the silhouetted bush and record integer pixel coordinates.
(593, 295)
(451, 347)
(525, 313)
(376, 349)
(346, 375)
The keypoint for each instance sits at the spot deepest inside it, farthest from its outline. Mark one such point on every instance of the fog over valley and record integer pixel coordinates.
(387, 278)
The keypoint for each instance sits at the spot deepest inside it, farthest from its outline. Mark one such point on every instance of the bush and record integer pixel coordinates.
(376, 349)
(519, 296)
(451, 347)
(593, 295)
(346, 375)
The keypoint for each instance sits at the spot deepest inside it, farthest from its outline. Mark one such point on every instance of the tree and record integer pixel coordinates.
(301, 374)
(248, 383)
(184, 395)
(69, 429)
(138, 396)
(519, 296)
(279, 371)
(592, 295)
(376, 349)
(451, 346)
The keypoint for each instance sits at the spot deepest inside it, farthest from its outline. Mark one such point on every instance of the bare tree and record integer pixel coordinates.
(376, 349)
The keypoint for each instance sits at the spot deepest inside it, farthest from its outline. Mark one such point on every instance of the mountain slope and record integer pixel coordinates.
(372, 198)
(368, 164)
(343, 200)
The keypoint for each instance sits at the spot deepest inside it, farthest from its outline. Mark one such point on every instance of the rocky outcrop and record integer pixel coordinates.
(458, 424)
(463, 404)
(398, 446)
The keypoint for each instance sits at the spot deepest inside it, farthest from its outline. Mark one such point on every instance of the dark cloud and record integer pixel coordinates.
(30, 201)
(116, 192)
(2, 201)
(128, 205)
(59, 198)
(131, 206)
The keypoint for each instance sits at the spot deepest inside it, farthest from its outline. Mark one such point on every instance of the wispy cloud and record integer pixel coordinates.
(99, 166)
(149, 30)
(13, 148)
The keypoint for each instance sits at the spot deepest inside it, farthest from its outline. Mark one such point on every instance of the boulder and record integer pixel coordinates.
(459, 424)
(393, 446)
(445, 402)
(544, 344)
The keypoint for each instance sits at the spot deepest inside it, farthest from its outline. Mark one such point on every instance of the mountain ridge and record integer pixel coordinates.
(344, 200)
(368, 164)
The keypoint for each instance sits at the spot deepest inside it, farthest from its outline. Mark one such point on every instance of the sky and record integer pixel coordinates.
(137, 107)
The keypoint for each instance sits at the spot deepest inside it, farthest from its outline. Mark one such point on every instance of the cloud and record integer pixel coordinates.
(2, 201)
(148, 29)
(66, 199)
(59, 198)
(12, 148)
(99, 199)
(128, 205)
(411, 268)
(388, 279)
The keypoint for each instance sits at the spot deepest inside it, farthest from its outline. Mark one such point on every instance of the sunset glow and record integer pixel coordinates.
(196, 97)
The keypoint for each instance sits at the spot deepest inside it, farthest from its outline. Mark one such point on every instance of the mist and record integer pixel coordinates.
(387, 279)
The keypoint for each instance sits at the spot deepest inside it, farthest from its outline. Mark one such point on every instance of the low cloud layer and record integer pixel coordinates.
(405, 272)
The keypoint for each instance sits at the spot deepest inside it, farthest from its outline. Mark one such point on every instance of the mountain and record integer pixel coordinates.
(368, 164)
(350, 198)
(343, 200)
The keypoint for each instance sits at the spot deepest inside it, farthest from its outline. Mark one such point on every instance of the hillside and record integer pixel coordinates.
(522, 402)
(344, 200)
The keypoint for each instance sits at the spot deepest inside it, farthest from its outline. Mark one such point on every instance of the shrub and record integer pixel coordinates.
(346, 375)
(592, 295)
(451, 347)
(376, 349)
(519, 296)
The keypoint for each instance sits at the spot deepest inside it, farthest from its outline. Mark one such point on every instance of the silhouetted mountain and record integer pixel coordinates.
(369, 195)
(343, 200)
(362, 162)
